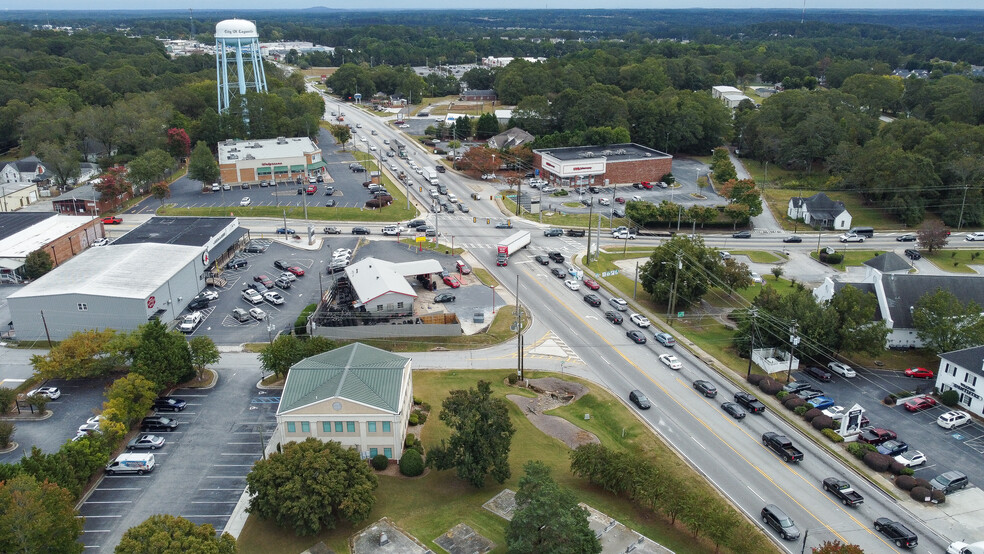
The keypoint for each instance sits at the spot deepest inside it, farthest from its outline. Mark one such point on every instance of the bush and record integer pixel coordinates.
(301, 322)
(920, 482)
(889, 400)
(416, 401)
(380, 462)
(877, 461)
(782, 394)
(937, 496)
(832, 435)
(800, 410)
(859, 449)
(792, 402)
(770, 386)
(408, 442)
(920, 494)
(896, 468)
(950, 398)
(425, 407)
(513, 378)
(907, 471)
(905, 482)
(812, 413)
(6, 433)
(414, 419)
(755, 378)
(822, 422)
(411, 464)
(421, 416)
(832, 259)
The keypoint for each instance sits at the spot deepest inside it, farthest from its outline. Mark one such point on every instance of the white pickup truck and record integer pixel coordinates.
(190, 322)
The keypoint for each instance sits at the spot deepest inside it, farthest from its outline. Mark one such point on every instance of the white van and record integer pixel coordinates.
(131, 463)
(452, 198)
(433, 193)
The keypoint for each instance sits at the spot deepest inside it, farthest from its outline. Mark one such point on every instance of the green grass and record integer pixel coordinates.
(485, 277)
(430, 505)
(430, 245)
(563, 220)
(861, 215)
(572, 204)
(760, 256)
(851, 257)
(956, 261)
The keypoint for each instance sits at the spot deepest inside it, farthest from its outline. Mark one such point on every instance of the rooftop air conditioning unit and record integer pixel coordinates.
(250, 157)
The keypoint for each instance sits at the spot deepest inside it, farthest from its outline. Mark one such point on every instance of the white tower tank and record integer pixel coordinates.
(238, 66)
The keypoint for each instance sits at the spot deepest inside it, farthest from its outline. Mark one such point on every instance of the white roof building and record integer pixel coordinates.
(382, 286)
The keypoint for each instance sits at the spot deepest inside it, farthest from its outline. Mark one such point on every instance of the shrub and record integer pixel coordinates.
(950, 398)
(800, 410)
(792, 402)
(425, 407)
(924, 483)
(416, 401)
(896, 468)
(380, 462)
(908, 471)
(513, 378)
(770, 386)
(832, 435)
(414, 419)
(301, 322)
(408, 442)
(822, 422)
(859, 449)
(832, 259)
(421, 416)
(6, 433)
(937, 496)
(782, 394)
(920, 494)
(755, 378)
(411, 464)
(889, 400)
(811, 413)
(877, 461)
(905, 482)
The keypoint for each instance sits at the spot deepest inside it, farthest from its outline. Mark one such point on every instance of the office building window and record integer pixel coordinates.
(338, 427)
(290, 427)
(350, 426)
(373, 452)
(386, 427)
(388, 452)
(305, 427)
(372, 426)
(326, 426)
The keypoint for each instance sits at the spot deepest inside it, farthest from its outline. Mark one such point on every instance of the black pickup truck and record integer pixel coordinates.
(896, 532)
(842, 490)
(781, 446)
(575, 232)
(750, 403)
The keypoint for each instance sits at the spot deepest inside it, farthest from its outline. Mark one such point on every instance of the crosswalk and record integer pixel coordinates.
(551, 346)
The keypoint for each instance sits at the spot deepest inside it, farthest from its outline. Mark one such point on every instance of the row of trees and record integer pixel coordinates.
(693, 268)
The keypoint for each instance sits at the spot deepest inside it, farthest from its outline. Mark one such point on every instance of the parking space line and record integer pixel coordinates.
(216, 502)
(107, 502)
(94, 517)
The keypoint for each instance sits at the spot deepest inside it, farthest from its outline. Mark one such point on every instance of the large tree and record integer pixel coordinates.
(203, 353)
(38, 517)
(312, 485)
(481, 436)
(162, 356)
(149, 167)
(202, 165)
(62, 160)
(945, 323)
(548, 518)
(743, 192)
(857, 329)
(695, 263)
(37, 263)
(287, 350)
(167, 534)
(933, 236)
(82, 354)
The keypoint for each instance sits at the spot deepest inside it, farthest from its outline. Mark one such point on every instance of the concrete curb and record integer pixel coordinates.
(239, 516)
(28, 417)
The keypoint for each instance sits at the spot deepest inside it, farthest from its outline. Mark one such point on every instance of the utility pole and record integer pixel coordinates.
(751, 346)
(962, 204)
(635, 285)
(598, 242)
(519, 336)
(793, 341)
(590, 213)
(672, 302)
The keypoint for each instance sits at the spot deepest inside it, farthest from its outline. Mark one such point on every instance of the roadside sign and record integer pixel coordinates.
(609, 273)
(421, 239)
(679, 314)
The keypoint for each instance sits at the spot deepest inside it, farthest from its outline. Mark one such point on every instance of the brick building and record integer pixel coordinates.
(477, 96)
(61, 236)
(600, 165)
(251, 161)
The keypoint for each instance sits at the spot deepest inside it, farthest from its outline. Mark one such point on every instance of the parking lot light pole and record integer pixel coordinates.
(793, 341)
(270, 329)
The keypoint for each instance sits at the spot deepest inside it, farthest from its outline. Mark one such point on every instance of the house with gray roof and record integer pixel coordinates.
(356, 395)
(889, 262)
(24, 170)
(963, 371)
(819, 211)
(512, 137)
(898, 293)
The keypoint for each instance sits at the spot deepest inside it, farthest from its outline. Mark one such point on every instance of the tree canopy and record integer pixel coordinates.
(162, 356)
(38, 517)
(547, 517)
(167, 534)
(945, 323)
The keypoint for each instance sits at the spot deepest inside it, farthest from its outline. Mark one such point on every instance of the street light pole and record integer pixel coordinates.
(793, 341)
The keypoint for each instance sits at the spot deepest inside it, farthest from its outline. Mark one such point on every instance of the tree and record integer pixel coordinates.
(37, 263)
(695, 263)
(342, 134)
(487, 127)
(38, 517)
(481, 159)
(945, 323)
(777, 271)
(836, 547)
(857, 329)
(114, 185)
(933, 235)
(547, 517)
(735, 275)
(178, 143)
(160, 191)
(62, 160)
(7, 398)
(743, 192)
(287, 350)
(202, 165)
(481, 436)
(312, 485)
(129, 398)
(162, 356)
(39, 401)
(722, 167)
(479, 78)
(82, 354)
(167, 534)
(149, 167)
(6, 433)
(203, 353)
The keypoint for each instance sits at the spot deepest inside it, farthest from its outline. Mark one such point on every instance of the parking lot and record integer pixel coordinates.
(957, 449)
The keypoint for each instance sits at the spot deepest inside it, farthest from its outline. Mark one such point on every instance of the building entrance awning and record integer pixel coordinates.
(280, 169)
(317, 165)
(295, 168)
(263, 171)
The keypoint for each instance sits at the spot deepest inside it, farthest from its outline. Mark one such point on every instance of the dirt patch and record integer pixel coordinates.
(553, 393)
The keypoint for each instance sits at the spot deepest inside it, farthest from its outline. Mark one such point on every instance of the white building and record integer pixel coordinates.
(248, 161)
(720, 90)
(963, 371)
(382, 287)
(820, 211)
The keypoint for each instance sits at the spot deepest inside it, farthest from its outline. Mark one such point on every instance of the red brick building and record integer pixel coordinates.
(614, 164)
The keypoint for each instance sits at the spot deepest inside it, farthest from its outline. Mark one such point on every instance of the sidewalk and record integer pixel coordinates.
(765, 221)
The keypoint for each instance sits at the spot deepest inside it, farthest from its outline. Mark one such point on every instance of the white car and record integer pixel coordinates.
(834, 412)
(405, 126)
(843, 370)
(190, 321)
(257, 314)
(604, 202)
(88, 427)
(372, 147)
(548, 189)
(952, 419)
(245, 201)
(975, 236)
(273, 297)
(101, 242)
(51, 392)
(640, 320)
(96, 419)
(341, 251)
(252, 296)
(756, 278)
(393, 230)
(288, 276)
(911, 458)
(670, 361)
(625, 235)
(573, 285)
(393, 167)
(216, 187)
(851, 237)
(363, 139)
(209, 294)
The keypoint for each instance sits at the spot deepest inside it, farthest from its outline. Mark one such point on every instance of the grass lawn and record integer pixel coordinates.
(564, 220)
(430, 505)
(760, 256)
(430, 245)
(861, 215)
(851, 257)
(956, 260)
(485, 277)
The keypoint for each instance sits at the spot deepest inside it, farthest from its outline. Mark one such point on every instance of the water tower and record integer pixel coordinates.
(238, 67)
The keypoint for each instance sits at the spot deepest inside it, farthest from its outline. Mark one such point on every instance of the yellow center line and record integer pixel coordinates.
(708, 427)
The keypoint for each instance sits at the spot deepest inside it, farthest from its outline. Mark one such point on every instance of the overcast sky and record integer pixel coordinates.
(502, 4)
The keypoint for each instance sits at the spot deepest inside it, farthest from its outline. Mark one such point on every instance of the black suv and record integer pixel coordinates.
(783, 524)
(360, 230)
(898, 533)
(556, 256)
(198, 303)
(912, 254)
(255, 248)
(236, 263)
(280, 264)
(158, 423)
(750, 403)
(818, 373)
(168, 403)
(575, 232)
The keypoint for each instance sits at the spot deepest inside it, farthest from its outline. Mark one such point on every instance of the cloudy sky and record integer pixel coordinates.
(502, 4)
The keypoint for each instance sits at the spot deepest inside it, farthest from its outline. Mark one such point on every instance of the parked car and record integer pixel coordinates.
(636, 337)
(610, 315)
(294, 270)
(876, 435)
(705, 388)
(255, 248)
(780, 522)
(145, 442)
(240, 315)
(594, 301)
(954, 418)
(920, 403)
(170, 404)
(665, 339)
(451, 281)
(444, 297)
(950, 481)
(251, 296)
(283, 282)
(911, 458)
(919, 373)
(190, 322)
(273, 297)
(817, 373)
(280, 264)
(670, 361)
(809, 394)
(264, 280)
(896, 532)
(462, 267)
(158, 423)
(821, 402)
(101, 242)
(639, 399)
(245, 201)
(733, 410)
(198, 303)
(257, 314)
(843, 370)
(893, 447)
(51, 393)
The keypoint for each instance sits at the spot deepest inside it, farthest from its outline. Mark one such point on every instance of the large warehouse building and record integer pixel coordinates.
(152, 272)
(250, 161)
(601, 165)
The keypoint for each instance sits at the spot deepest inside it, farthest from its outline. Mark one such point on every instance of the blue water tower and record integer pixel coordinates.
(238, 65)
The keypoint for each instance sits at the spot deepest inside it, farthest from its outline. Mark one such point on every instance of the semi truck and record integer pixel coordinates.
(510, 246)
(131, 463)
(432, 176)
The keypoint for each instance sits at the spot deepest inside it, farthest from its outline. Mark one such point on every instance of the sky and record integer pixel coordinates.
(501, 4)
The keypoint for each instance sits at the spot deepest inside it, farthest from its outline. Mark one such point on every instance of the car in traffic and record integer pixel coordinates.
(158, 423)
(332, 230)
(954, 418)
(742, 235)
(558, 273)
(51, 393)
(851, 237)
(793, 239)
(640, 320)
(896, 532)
(907, 237)
(542, 260)
(639, 399)
(610, 315)
(975, 236)
(705, 388)
(503, 225)
(841, 369)
(170, 404)
(911, 458)
(619, 304)
(593, 300)
(360, 231)
(285, 231)
(556, 257)
(919, 373)
(749, 402)
(571, 284)
(145, 442)
(444, 297)
(553, 232)
(733, 410)
(780, 522)
(665, 339)
(590, 283)
(112, 220)
(636, 336)
(920, 403)
(670, 361)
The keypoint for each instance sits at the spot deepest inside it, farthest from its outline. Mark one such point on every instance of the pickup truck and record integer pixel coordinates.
(781, 446)
(842, 490)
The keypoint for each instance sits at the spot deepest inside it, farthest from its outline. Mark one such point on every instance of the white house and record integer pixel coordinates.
(24, 170)
(963, 371)
(381, 287)
(356, 395)
(820, 211)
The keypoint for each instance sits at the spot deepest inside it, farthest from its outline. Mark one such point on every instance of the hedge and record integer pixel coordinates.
(822, 422)
(300, 324)
(905, 482)
(792, 402)
(860, 449)
(920, 494)
(938, 496)
(770, 386)
(782, 394)
(380, 462)
(877, 461)
(896, 467)
(800, 410)
(832, 435)
(920, 482)
(411, 464)
(755, 378)
(950, 398)
(812, 413)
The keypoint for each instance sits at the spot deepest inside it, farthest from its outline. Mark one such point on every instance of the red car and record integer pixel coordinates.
(620, 200)
(266, 281)
(451, 281)
(920, 403)
(646, 185)
(919, 373)
(296, 270)
(591, 284)
(876, 435)
(463, 268)
(112, 220)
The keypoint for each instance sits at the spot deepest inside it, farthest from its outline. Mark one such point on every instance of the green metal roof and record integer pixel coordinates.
(355, 372)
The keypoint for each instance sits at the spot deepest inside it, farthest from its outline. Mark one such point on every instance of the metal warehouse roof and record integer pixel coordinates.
(629, 151)
(355, 372)
(189, 231)
(24, 232)
(123, 271)
(372, 278)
